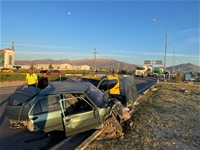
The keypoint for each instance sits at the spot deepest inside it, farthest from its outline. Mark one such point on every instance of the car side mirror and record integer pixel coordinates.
(102, 90)
(96, 113)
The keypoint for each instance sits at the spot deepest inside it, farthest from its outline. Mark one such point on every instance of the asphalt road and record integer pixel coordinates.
(16, 138)
(21, 138)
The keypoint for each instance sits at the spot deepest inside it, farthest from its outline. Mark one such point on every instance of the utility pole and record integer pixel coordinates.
(13, 45)
(95, 52)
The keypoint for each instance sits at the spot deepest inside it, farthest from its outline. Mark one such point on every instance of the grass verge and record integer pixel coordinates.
(168, 118)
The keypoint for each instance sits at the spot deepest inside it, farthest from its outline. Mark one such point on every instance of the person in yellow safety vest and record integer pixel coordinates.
(31, 79)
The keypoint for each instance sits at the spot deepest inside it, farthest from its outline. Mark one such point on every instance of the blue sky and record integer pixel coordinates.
(121, 30)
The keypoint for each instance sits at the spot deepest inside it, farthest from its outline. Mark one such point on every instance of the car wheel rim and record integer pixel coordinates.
(112, 125)
(32, 128)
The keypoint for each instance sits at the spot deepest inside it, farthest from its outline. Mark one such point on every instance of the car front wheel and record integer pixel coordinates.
(113, 126)
(32, 128)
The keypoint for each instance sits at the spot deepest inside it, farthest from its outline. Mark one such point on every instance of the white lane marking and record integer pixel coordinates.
(146, 87)
(62, 143)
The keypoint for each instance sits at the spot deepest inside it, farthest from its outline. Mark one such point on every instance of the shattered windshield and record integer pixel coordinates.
(95, 95)
(22, 95)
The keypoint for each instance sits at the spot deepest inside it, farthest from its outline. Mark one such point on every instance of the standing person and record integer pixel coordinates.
(43, 81)
(31, 79)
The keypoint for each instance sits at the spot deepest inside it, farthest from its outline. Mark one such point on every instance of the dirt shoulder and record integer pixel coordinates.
(168, 118)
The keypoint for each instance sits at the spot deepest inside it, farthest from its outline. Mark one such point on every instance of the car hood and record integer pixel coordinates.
(23, 94)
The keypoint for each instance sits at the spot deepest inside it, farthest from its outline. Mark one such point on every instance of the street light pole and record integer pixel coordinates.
(174, 63)
(95, 52)
(154, 20)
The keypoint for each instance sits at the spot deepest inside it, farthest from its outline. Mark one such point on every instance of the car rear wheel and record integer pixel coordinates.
(113, 126)
(32, 128)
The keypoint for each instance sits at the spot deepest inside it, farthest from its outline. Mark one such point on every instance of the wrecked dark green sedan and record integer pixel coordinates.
(72, 107)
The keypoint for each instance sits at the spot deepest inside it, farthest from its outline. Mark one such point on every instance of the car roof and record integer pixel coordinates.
(98, 76)
(65, 87)
(43, 71)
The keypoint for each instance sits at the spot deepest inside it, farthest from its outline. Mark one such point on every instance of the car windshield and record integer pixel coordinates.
(190, 76)
(95, 95)
(140, 68)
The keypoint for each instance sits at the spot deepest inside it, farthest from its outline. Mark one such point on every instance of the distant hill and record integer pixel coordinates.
(102, 63)
(186, 68)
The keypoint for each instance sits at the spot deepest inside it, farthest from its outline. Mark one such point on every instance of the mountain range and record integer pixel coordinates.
(102, 63)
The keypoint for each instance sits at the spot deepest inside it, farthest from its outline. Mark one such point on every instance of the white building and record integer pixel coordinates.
(62, 67)
(7, 57)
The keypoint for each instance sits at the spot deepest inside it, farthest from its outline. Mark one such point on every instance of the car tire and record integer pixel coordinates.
(32, 128)
(113, 125)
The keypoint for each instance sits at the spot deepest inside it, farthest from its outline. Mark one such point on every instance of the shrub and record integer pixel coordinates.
(22, 77)
(177, 78)
(12, 77)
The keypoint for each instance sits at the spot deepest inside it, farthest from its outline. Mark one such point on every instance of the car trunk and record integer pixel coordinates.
(14, 113)
(17, 108)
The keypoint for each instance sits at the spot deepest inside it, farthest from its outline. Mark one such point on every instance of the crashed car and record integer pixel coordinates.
(104, 82)
(72, 107)
(116, 85)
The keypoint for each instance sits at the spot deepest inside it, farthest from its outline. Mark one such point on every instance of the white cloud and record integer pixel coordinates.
(194, 39)
(50, 53)
(161, 54)
(43, 46)
(189, 31)
(139, 52)
(116, 55)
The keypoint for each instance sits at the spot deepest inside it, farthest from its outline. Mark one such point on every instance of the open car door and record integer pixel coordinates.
(46, 114)
(78, 115)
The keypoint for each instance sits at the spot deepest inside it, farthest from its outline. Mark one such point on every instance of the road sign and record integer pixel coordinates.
(159, 62)
(147, 62)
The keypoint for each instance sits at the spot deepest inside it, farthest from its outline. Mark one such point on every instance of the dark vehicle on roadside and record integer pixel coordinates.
(54, 72)
(71, 107)
(43, 71)
(191, 77)
(122, 72)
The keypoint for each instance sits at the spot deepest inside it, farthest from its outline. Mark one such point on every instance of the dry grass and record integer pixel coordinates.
(168, 118)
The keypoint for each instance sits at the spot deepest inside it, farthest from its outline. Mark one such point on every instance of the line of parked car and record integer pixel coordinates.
(191, 77)
(52, 72)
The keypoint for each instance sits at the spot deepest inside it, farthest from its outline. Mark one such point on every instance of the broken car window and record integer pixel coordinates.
(50, 103)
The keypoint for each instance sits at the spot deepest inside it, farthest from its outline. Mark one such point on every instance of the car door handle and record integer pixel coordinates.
(67, 120)
(34, 118)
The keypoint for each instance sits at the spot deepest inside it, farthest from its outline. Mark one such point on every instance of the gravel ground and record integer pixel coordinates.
(167, 118)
